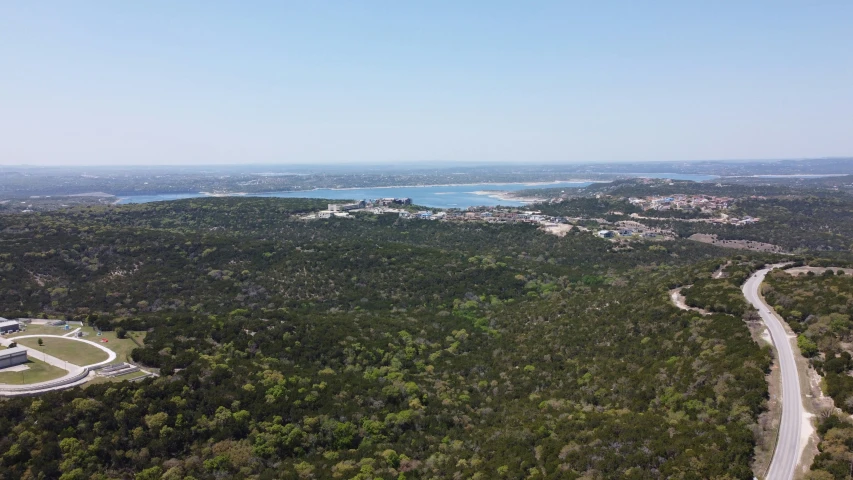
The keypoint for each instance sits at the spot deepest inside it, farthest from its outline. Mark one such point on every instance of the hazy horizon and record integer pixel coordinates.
(420, 165)
(163, 84)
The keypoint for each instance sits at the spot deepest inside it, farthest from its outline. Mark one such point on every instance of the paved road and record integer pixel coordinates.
(49, 359)
(111, 355)
(59, 383)
(787, 452)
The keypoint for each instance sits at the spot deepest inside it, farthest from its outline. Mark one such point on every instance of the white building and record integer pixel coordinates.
(345, 207)
(12, 356)
(9, 326)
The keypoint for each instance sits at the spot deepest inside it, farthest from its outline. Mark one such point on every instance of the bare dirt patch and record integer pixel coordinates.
(737, 244)
(721, 272)
(559, 230)
(678, 299)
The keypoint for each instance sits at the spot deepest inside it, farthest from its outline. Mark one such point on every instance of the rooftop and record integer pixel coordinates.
(12, 351)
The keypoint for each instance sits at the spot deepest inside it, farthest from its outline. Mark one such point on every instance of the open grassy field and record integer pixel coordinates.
(75, 352)
(38, 372)
(122, 347)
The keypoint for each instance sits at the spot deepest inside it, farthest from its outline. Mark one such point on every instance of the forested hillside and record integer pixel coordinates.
(808, 223)
(376, 347)
(723, 294)
(817, 307)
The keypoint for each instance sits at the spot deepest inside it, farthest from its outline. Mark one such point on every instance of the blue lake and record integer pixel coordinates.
(435, 196)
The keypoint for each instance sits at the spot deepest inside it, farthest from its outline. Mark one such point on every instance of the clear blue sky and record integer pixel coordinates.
(181, 82)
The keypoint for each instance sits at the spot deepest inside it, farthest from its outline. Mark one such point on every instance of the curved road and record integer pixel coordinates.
(788, 447)
(111, 355)
(57, 383)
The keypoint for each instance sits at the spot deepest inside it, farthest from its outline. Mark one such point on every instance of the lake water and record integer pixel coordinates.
(435, 196)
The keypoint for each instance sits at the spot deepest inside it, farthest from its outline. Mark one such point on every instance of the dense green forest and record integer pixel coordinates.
(817, 307)
(723, 294)
(376, 347)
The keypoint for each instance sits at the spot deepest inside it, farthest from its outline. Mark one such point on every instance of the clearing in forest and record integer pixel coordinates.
(36, 372)
(78, 353)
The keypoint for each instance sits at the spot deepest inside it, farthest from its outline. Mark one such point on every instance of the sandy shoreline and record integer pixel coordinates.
(507, 196)
(228, 194)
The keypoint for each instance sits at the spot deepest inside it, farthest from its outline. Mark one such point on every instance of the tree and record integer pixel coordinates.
(807, 346)
(152, 473)
(41, 342)
(121, 332)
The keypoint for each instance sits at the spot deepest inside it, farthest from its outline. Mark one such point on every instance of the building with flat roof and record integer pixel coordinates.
(345, 207)
(9, 326)
(12, 356)
(393, 201)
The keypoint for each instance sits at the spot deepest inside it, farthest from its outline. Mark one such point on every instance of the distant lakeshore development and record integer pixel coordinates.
(434, 196)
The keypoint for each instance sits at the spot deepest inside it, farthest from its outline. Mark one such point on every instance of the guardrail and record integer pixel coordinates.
(38, 387)
(120, 371)
(110, 368)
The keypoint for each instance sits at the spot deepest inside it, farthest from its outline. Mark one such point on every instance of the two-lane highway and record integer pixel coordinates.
(788, 447)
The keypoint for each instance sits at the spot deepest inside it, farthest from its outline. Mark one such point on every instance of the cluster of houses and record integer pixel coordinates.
(379, 205)
(491, 215)
(389, 202)
(747, 220)
(704, 203)
(548, 222)
(476, 214)
(625, 232)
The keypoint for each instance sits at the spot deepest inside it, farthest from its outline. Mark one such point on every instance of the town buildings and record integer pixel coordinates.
(345, 207)
(703, 203)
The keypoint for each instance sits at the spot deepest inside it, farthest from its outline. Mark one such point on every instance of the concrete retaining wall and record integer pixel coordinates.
(49, 385)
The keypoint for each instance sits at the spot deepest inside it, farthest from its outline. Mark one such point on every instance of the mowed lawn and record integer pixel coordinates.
(75, 352)
(39, 330)
(122, 346)
(38, 372)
